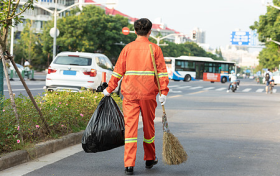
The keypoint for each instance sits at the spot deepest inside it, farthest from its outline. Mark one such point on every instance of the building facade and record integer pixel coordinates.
(39, 16)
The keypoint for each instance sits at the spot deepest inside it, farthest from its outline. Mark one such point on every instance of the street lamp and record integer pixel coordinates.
(269, 40)
(160, 38)
(55, 14)
(269, 4)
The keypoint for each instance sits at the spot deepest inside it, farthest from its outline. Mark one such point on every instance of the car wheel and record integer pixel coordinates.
(187, 78)
(224, 79)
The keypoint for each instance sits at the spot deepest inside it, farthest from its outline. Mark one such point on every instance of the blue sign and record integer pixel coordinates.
(241, 38)
(248, 71)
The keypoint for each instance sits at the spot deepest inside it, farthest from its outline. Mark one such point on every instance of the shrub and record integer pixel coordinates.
(65, 112)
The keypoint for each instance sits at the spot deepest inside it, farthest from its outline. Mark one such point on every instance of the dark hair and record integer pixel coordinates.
(142, 26)
(268, 69)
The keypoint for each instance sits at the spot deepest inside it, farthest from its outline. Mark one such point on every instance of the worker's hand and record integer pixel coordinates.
(106, 93)
(162, 99)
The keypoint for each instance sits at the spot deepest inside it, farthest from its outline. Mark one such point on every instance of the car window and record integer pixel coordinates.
(71, 60)
(19, 66)
(108, 64)
(101, 62)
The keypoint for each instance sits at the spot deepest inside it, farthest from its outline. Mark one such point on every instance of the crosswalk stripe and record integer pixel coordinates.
(274, 90)
(196, 87)
(174, 86)
(220, 89)
(208, 88)
(172, 91)
(246, 90)
(260, 90)
(183, 87)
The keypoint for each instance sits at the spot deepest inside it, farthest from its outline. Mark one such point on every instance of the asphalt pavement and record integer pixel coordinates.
(224, 134)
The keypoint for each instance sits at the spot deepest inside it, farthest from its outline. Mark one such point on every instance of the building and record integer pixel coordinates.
(39, 16)
(241, 56)
(200, 35)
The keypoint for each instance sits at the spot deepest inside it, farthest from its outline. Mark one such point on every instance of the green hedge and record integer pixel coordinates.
(65, 113)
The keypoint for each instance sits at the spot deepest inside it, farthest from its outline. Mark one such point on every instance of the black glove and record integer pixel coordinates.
(102, 87)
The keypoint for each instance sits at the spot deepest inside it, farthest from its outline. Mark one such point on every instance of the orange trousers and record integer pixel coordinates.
(131, 110)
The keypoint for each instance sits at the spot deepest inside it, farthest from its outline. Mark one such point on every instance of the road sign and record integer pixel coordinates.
(125, 30)
(241, 38)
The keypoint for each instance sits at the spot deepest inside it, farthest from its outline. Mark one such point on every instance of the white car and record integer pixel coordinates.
(20, 68)
(72, 71)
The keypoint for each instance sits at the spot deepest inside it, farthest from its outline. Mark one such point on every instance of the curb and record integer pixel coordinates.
(40, 149)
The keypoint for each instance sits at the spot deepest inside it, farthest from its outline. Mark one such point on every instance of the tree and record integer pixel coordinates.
(8, 13)
(268, 27)
(28, 42)
(186, 49)
(89, 30)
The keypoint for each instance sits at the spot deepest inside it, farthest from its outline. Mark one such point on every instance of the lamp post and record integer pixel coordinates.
(56, 13)
(268, 4)
(160, 38)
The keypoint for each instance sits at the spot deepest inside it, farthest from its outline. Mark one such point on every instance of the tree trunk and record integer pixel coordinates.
(11, 93)
(31, 96)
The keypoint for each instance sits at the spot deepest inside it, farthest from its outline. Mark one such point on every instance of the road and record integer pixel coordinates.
(225, 134)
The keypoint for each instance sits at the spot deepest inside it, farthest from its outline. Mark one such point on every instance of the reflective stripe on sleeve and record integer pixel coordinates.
(149, 73)
(115, 74)
(163, 75)
(130, 140)
(149, 141)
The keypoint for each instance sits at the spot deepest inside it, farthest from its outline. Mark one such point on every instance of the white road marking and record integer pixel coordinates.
(260, 90)
(172, 91)
(14, 90)
(246, 90)
(220, 89)
(174, 86)
(274, 90)
(183, 87)
(196, 87)
(208, 88)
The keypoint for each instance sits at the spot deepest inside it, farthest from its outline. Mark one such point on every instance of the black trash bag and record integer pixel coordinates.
(105, 130)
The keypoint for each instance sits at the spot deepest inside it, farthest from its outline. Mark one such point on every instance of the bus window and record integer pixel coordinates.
(181, 65)
(178, 65)
(231, 67)
(224, 68)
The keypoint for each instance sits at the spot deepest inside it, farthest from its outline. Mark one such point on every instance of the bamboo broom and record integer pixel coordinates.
(172, 151)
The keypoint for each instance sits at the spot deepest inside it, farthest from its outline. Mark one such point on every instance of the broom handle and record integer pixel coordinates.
(155, 68)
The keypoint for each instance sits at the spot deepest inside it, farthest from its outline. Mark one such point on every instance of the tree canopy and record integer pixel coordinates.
(92, 30)
(268, 27)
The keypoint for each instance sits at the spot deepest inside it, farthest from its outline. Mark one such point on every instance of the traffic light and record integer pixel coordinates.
(194, 35)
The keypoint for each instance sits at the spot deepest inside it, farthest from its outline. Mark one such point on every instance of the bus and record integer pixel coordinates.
(190, 68)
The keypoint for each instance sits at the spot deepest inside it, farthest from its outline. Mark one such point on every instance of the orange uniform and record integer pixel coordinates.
(139, 89)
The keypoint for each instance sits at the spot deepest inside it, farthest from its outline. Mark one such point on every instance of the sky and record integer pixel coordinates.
(216, 17)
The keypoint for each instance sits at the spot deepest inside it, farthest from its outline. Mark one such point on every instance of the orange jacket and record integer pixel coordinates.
(136, 67)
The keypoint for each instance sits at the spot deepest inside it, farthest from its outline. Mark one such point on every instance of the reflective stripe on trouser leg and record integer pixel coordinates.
(131, 110)
(148, 108)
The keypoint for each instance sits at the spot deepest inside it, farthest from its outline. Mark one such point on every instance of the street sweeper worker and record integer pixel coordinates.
(139, 89)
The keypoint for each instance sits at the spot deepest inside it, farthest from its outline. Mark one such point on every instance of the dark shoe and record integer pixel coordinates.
(151, 163)
(129, 170)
